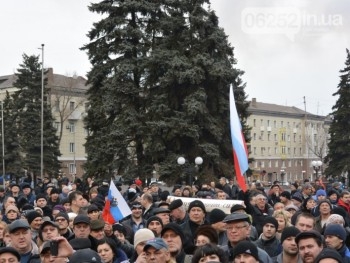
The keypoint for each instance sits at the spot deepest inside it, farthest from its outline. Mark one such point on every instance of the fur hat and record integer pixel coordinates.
(208, 231)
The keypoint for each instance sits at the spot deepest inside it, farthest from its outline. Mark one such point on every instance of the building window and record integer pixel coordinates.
(254, 150)
(275, 137)
(71, 127)
(254, 136)
(283, 149)
(268, 123)
(281, 124)
(261, 136)
(294, 137)
(283, 137)
(72, 168)
(276, 150)
(261, 122)
(254, 123)
(72, 147)
(72, 105)
(262, 150)
(262, 164)
(274, 124)
(268, 150)
(268, 137)
(270, 164)
(289, 163)
(276, 164)
(57, 105)
(288, 138)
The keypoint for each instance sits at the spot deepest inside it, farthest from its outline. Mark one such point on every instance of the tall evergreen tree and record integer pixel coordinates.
(161, 74)
(12, 149)
(338, 157)
(27, 108)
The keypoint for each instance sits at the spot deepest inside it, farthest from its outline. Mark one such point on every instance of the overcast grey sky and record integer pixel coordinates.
(288, 49)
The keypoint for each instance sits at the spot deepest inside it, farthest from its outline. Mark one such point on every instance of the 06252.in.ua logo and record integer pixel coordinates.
(287, 21)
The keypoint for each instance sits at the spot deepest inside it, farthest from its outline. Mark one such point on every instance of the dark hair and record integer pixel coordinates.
(111, 243)
(73, 195)
(207, 250)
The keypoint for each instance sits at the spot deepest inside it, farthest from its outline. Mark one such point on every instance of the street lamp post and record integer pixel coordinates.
(282, 175)
(198, 161)
(317, 166)
(42, 115)
(3, 143)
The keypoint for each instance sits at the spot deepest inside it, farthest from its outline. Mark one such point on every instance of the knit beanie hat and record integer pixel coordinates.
(270, 220)
(335, 230)
(246, 247)
(154, 218)
(142, 235)
(209, 232)
(59, 208)
(216, 215)
(196, 203)
(298, 197)
(327, 253)
(64, 215)
(290, 231)
(39, 196)
(321, 192)
(32, 215)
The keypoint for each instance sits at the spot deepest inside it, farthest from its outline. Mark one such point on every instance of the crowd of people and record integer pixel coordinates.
(59, 221)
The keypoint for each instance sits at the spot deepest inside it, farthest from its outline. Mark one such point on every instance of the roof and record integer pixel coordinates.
(55, 81)
(274, 109)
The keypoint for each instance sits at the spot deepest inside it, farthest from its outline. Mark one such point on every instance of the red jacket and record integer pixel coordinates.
(344, 205)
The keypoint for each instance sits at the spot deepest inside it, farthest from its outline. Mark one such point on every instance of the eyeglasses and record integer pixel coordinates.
(235, 228)
(60, 219)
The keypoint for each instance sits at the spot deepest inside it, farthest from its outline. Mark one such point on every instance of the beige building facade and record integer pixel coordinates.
(68, 104)
(284, 142)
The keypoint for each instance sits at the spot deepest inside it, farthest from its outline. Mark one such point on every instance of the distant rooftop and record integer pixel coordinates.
(54, 80)
(274, 109)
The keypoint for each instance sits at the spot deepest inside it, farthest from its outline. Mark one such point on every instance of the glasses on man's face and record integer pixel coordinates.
(60, 219)
(235, 228)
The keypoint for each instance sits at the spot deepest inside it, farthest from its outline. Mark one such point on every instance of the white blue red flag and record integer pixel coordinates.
(240, 151)
(116, 207)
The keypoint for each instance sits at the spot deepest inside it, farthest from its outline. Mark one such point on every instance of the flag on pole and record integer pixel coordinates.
(116, 207)
(240, 151)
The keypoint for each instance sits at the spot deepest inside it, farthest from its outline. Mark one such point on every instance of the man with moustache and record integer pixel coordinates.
(290, 252)
(310, 245)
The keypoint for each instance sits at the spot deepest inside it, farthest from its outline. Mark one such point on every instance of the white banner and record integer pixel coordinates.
(210, 204)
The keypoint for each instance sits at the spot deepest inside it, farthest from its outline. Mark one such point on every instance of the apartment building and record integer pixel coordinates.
(69, 104)
(284, 142)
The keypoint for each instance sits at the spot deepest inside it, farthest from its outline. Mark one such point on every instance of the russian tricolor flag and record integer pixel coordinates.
(240, 151)
(116, 207)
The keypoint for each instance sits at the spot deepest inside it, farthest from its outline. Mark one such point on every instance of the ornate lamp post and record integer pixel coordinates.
(198, 161)
(317, 166)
